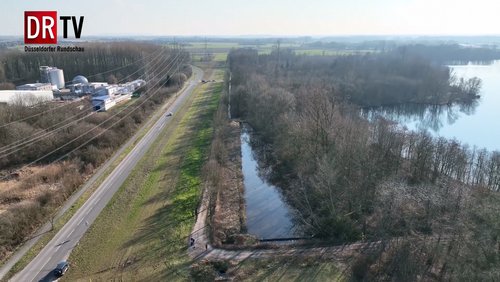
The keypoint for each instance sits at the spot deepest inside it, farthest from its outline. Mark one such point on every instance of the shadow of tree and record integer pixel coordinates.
(161, 243)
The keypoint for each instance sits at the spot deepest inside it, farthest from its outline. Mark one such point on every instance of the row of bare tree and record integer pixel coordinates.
(24, 136)
(353, 179)
(25, 132)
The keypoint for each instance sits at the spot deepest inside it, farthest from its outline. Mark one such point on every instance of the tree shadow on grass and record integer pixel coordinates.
(162, 237)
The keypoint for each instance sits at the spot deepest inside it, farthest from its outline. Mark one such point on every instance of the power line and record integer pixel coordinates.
(147, 98)
(34, 137)
(160, 50)
(17, 147)
(53, 131)
(91, 107)
(66, 104)
(97, 126)
(115, 123)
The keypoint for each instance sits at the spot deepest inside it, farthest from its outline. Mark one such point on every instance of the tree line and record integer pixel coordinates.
(442, 53)
(20, 67)
(366, 80)
(21, 215)
(43, 120)
(452, 53)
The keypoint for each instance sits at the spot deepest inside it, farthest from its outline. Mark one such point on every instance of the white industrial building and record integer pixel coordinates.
(102, 103)
(25, 97)
(107, 96)
(81, 89)
(104, 96)
(53, 76)
(36, 86)
(109, 90)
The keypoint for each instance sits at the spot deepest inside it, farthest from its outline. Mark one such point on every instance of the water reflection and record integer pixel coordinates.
(268, 215)
(421, 116)
(474, 124)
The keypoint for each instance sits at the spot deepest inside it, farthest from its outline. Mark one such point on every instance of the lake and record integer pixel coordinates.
(476, 124)
(268, 215)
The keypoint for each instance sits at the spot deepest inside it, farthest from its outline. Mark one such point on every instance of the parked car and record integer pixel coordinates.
(61, 268)
(169, 114)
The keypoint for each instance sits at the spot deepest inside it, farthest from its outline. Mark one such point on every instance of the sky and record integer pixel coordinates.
(265, 17)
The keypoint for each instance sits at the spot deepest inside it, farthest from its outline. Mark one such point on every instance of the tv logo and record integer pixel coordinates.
(40, 27)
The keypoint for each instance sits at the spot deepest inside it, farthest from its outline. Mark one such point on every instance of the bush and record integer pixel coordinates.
(359, 269)
(221, 266)
(202, 271)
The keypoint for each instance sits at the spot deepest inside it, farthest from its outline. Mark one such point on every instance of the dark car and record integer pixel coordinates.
(169, 114)
(61, 268)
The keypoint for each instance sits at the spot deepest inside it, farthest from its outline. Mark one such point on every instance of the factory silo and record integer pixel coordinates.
(44, 74)
(57, 77)
(52, 75)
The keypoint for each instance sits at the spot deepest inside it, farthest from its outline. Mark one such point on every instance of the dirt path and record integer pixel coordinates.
(201, 249)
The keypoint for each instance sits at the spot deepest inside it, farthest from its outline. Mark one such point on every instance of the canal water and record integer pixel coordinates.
(476, 124)
(268, 215)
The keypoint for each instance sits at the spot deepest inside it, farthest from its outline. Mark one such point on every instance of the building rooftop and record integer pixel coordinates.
(80, 79)
(35, 84)
(101, 98)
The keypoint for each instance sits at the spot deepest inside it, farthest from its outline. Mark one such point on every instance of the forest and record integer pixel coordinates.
(19, 67)
(47, 151)
(439, 51)
(352, 179)
(452, 53)
(365, 80)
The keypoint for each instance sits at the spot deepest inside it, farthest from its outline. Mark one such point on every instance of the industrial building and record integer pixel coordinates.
(35, 86)
(102, 103)
(79, 88)
(25, 97)
(103, 95)
(53, 76)
(33, 93)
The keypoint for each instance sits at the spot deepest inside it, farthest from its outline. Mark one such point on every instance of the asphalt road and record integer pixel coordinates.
(60, 247)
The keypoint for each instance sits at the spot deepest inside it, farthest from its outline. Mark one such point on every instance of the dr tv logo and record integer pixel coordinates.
(40, 27)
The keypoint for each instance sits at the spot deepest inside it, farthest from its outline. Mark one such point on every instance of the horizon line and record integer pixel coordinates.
(275, 35)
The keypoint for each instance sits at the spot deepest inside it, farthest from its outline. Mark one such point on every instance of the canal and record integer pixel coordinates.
(268, 214)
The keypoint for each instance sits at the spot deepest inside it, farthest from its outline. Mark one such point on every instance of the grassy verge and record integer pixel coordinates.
(142, 233)
(285, 269)
(61, 221)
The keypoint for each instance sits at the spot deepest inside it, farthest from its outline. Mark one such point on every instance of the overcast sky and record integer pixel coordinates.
(266, 17)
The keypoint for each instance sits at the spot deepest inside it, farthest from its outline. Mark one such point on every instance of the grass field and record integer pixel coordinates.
(220, 49)
(142, 233)
(211, 45)
(58, 223)
(217, 57)
(286, 269)
(331, 52)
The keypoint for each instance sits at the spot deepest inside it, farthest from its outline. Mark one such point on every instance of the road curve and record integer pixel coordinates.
(60, 247)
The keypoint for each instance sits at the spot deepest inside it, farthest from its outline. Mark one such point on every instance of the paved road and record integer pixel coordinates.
(60, 247)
